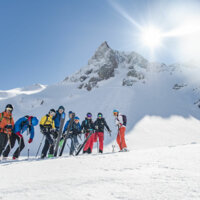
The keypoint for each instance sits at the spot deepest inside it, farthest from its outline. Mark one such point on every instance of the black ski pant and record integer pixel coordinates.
(21, 146)
(3, 141)
(13, 138)
(48, 145)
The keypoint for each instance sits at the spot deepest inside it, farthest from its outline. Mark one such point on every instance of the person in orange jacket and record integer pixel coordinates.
(120, 121)
(6, 126)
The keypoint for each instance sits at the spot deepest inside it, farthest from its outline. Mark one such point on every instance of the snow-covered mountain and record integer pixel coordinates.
(161, 103)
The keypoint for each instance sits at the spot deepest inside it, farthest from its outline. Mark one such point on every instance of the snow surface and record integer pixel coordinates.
(160, 173)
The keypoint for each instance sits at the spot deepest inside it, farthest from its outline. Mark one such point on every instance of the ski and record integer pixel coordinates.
(68, 130)
(62, 121)
(81, 147)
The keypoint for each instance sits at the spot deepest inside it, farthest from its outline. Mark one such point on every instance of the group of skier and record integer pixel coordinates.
(51, 128)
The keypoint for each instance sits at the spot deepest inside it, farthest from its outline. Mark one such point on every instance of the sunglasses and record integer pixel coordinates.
(115, 113)
(10, 109)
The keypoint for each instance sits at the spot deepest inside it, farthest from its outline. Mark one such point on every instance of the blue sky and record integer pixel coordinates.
(43, 41)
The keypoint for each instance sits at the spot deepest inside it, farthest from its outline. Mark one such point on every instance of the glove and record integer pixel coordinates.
(42, 129)
(53, 130)
(109, 132)
(19, 135)
(96, 127)
(54, 135)
(30, 140)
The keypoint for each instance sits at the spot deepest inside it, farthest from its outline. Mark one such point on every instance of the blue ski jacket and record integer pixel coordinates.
(57, 119)
(22, 125)
(67, 123)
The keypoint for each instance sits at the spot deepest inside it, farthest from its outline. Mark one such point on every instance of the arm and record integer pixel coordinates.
(12, 122)
(43, 120)
(66, 125)
(18, 125)
(32, 132)
(53, 124)
(1, 124)
(119, 121)
(106, 125)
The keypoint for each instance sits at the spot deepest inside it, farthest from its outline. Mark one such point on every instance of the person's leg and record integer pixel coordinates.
(19, 149)
(91, 143)
(119, 141)
(122, 137)
(45, 148)
(10, 144)
(72, 148)
(101, 138)
(87, 143)
(3, 141)
(51, 144)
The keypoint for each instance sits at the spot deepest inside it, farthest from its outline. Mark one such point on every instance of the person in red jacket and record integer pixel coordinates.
(6, 126)
(120, 121)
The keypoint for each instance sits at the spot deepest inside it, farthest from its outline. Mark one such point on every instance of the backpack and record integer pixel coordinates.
(3, 117)
(124, 120)
(24, 122)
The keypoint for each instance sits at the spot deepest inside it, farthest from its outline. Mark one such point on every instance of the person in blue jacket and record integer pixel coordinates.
(57, 117)
(73, 133)
(67, 123)
(22, 125)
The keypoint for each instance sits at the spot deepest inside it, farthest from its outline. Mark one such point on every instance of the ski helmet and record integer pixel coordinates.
(100, 115)
(34, 121)
(61, 107)
(89, 114)
(115, 111)
(10, 107)
(76, 118)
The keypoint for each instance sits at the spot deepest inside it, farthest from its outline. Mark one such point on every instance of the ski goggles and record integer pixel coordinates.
(100, 115)
(52, 113)
(76, 120)
(10, 109)
(115, 113)
(89, 116)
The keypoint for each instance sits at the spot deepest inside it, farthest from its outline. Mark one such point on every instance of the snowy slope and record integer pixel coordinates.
(159, 100)
(160, 173)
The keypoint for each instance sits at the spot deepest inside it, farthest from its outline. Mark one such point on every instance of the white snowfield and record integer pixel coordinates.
(163, 134)
(164, 173)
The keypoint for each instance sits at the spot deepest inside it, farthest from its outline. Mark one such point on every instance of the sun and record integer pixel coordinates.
(151, 37)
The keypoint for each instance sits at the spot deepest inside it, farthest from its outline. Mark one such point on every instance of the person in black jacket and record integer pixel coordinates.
(100, 124)
(87, 126)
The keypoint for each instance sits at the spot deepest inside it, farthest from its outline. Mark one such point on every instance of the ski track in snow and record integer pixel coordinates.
(161, 173)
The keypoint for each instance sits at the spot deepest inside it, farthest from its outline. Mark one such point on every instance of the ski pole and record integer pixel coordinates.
(28, 143)
(9, 140)
(39, 146)
(20, 139)
(80, 137)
